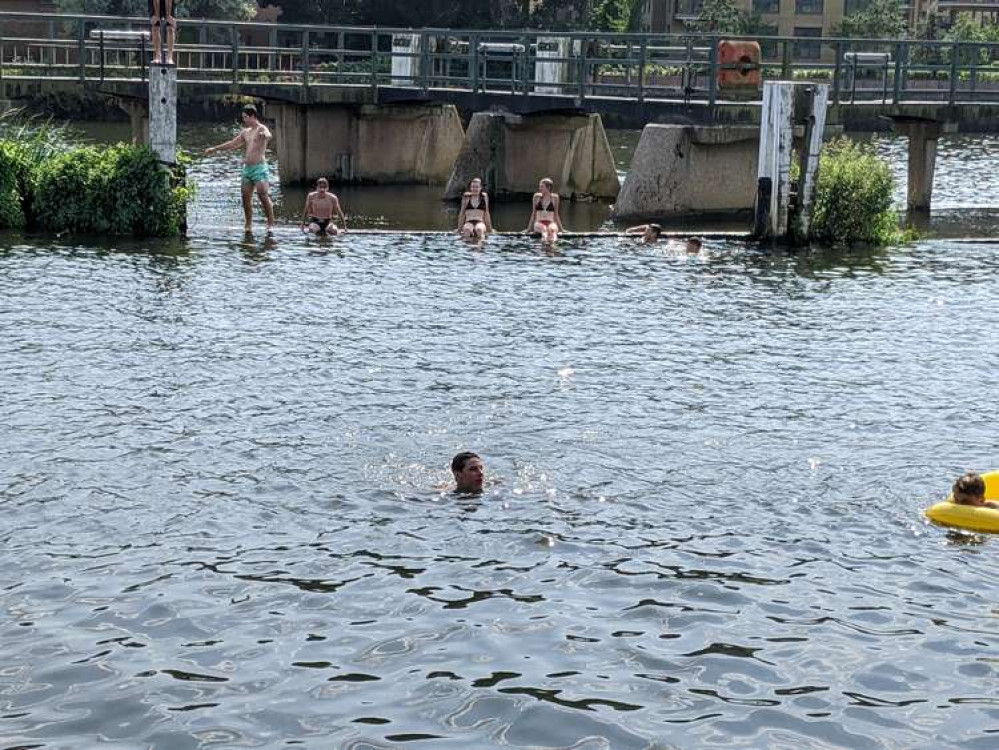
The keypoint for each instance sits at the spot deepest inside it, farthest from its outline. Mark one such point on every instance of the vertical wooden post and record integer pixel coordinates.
(81, 45)
(814, 115)
(306, 63)
(234, 38)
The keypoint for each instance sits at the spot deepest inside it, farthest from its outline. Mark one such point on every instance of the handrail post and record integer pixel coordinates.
(713, 79)
(306, 63)
(837, 72)
(81, 43)
(976, 58)
(473, 61)
(896, 95)
(142, 58)
(234, 37)
(642, 59)
(425, 61)
(374, 64)
(952, 97)
(785, 63)
(581, 68)
(102, 54)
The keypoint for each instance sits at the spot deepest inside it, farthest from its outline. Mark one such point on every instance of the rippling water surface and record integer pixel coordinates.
(224, 522)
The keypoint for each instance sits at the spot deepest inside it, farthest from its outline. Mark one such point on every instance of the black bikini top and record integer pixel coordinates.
(482, 205)
(550, 207)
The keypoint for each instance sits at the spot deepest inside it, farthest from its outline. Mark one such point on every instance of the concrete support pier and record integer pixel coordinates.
(512, 153)
(684, 169)
(163, 112)
(923, 136)
(372, 143)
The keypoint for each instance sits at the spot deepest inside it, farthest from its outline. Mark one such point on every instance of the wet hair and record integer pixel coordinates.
(549, 183)
(322, 181)
(459, 461)
(656, 229)
(695, 241)
(968, 485)
(250, 110)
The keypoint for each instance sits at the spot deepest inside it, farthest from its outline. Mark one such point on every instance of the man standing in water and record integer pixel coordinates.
(256, 175)
(469, 473)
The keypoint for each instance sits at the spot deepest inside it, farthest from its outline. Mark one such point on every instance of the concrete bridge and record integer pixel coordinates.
(391, 95)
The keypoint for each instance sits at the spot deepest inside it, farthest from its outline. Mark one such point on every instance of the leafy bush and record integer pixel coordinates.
(11, 199)
(115, 190)
(854, 196)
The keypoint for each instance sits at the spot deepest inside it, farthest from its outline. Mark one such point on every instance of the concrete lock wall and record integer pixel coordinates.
(512, 153)
(382, 144)
(683, 169)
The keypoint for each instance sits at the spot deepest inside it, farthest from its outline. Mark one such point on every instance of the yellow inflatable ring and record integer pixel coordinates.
(949, 513)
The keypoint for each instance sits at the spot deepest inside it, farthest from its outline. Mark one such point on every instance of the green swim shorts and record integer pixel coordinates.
(255, 173)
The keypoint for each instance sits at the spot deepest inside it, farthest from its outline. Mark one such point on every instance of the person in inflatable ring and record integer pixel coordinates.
(970, 490)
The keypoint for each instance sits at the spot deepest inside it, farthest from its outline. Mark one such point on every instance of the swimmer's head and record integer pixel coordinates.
(249, 114)
(475, 186)
(469, 472)
(547, 184)
(694, 245)
(652, 232)
(969, 489)
(322, 184)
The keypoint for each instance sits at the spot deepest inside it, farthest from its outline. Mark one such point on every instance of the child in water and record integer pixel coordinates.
(970, 490)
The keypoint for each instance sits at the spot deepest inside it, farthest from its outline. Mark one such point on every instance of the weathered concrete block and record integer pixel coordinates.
(683, 169)
(512, 153)
(381, 144)
(163, 112)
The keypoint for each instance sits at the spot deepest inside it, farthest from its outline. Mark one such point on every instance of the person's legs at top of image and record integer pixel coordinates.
(155, 30)
(171, 30)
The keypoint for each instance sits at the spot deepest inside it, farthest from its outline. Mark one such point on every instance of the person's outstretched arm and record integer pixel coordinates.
(534, 213)
(227, 146)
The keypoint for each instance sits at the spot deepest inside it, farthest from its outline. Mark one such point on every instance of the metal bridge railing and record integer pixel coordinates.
(578, 66)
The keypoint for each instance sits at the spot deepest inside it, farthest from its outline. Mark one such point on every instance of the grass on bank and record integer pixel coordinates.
(49, 185)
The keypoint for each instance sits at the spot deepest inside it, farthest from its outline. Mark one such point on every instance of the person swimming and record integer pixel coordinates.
(473, 218)
(648, 232)
(469, 473)
(545, 218)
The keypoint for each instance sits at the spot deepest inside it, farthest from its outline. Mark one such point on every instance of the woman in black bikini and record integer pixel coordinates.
(473, 218)
(161, 14)
(544, 216)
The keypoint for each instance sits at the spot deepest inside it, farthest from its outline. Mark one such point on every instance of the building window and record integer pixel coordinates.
(766, 6)
(769, 48)
(807, 50)
(808, 7)
(855, 6)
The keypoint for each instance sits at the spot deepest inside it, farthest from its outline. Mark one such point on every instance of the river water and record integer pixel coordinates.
(225, 522)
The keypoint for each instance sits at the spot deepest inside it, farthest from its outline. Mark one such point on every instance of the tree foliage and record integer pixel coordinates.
(722, 17)
(235, 10)
(882, 19)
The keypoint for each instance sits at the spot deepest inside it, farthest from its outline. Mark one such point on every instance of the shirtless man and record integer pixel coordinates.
(317, 218)
(253, 137)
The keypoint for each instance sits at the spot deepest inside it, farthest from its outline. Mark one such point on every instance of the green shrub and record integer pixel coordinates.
(854, 199)
(11, 199)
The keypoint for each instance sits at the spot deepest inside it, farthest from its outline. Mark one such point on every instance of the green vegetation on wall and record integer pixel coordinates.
(854, 199)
